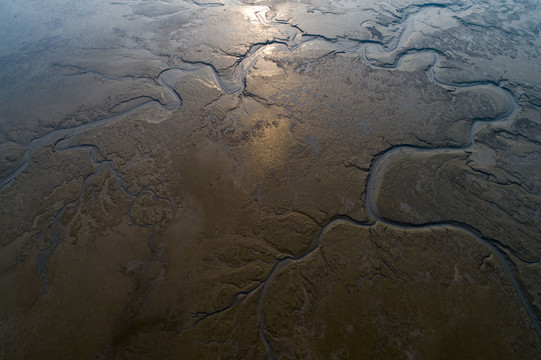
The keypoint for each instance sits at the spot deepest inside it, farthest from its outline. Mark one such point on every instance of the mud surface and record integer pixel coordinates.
(270, 180)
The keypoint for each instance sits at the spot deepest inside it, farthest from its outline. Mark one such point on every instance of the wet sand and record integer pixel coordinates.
(271, 180)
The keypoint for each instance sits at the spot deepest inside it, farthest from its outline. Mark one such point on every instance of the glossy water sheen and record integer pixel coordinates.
(270, 179)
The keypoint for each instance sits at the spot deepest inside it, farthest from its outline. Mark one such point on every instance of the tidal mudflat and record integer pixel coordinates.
(270, 179)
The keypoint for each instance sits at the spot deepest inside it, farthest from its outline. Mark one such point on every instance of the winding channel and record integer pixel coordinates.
(379, 163)
(232, 81)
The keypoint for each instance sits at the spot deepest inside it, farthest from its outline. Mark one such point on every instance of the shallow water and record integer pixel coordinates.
(270, 179)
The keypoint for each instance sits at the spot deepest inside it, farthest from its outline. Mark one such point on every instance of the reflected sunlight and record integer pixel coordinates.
(256, 14)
